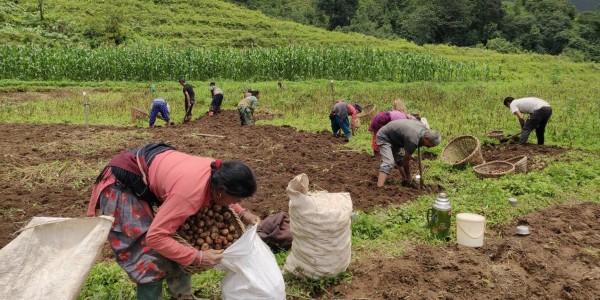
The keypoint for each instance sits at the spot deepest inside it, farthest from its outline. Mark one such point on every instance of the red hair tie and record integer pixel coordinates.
(217, 163)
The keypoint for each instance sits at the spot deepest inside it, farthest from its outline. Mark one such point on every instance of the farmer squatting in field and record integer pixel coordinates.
(539, 113)
(247, 106)
(157, 174)
(397, 141)
(339, 118)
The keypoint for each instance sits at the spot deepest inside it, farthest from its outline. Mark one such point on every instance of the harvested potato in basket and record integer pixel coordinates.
(213, 227)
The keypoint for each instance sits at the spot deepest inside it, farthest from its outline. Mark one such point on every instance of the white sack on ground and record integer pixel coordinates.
(320, 225)
(251, 270)
(51, 257)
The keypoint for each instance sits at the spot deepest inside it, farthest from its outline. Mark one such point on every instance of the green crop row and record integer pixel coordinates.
(284, 63)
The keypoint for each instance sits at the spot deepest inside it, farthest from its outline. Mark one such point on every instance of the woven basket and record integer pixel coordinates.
(192, 269)
(520, 163)
(495, 134)
(399, 105)
(462, 150)
(367, 114)
(494, 169)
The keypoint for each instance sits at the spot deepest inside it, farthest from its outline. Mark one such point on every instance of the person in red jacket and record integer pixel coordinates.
(179, 184)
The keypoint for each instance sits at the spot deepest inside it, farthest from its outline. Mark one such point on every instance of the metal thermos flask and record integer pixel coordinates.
(439, 217)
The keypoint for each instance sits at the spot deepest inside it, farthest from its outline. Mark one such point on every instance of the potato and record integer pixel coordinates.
(212, 227)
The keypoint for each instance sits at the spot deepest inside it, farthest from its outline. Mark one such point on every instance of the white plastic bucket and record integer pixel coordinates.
(470, 229)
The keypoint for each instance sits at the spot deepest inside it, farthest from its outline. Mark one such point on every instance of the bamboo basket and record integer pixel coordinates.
(367, 114)
(520, 163)
(462, 150)
(494, 169)
(193, 269)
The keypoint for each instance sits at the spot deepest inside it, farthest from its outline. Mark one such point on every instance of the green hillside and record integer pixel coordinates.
(194, 23)
(218, 24)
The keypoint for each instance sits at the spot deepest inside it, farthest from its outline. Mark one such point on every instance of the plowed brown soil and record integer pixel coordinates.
(48, 170)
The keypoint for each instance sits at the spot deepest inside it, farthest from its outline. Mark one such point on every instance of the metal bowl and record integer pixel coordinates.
(522, 230)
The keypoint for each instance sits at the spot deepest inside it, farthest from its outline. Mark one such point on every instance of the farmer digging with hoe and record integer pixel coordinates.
(188, 94)
(339, 118)
(539, 112)
(180, 184)
(397, 141)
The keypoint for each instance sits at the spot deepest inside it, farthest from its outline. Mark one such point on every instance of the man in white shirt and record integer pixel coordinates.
(539, 112)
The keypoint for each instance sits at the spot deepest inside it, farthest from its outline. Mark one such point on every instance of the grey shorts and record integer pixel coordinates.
(389, 156)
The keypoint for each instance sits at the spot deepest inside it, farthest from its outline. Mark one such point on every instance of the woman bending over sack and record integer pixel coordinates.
(180, 184)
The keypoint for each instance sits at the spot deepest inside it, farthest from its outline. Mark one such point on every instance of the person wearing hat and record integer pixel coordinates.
(339, 118)
(217, 98)
(397, 141)
(539, 112)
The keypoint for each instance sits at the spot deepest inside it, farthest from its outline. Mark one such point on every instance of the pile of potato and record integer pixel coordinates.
(211, 228)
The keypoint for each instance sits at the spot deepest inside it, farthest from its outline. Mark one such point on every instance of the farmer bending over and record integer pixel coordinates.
(397, 141)
(160, 108)
(382, 119)
(180, 184)
(217, 98)
(247, 106)
(539, 113)
(339, 118)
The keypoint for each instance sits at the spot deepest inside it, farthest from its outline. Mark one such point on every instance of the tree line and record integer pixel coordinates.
(540, 26)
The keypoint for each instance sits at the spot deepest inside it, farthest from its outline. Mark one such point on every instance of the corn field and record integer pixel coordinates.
(285, 63)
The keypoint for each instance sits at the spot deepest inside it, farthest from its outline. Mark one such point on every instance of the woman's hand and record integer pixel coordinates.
(210, 258)
(249, 218)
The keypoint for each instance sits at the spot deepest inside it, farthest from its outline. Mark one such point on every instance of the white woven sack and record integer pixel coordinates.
(320, 226)
(51, 257)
